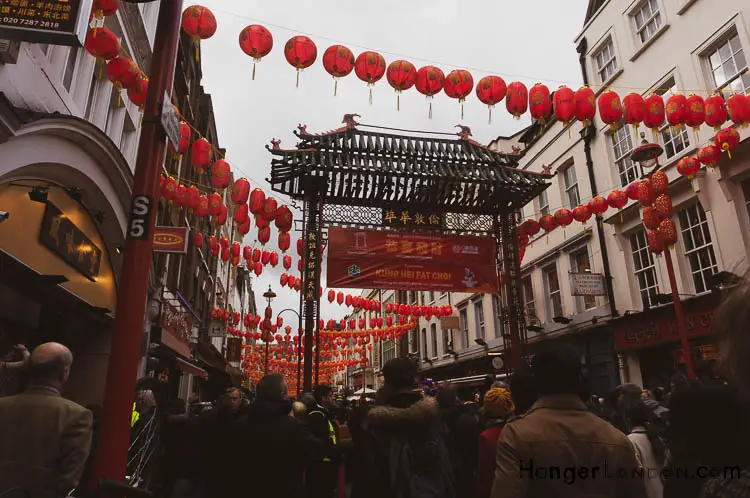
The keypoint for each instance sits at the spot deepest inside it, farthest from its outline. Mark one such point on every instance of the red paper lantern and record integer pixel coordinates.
(200, 154)
(634, 109)
(202, 208)
(491, 91)
(221, 218)
(265, 258)
(632, 191)
(273, 259)
(184, 142)
(663, 206)
(286, 262)
(235, 249)
(738, 108)
(688, 166)
(215, 203)
(338, 61)
(676, 110)
(181, 198)
(256, 255)
(668, 232)
(264, 235)
(240, 191)
(547, 223)
(247, 253)
(651, 218)
(709, 155)
(565, 106)
(458, 84)
(401, 75)
(244, 228)
(340, 298)
(430, 82)
(170, 188)
(225, 254)
(645, 193)
(727, 139)
(655, 242)
(240, 214)
(299, 247)
(540, 103)
(102, 44)
(301, 52)
(610, 109)
(530, 227)
(370, 68)
(257, 42)
(563, 217)
(696, 112)
(198, 22)
(585, 101)
(716, 111)
(137, 93)
(270, 207)
(102, 8)
(517, 99)
(598, 205)
(258, 269)
(284, 241)
(659, 183)
(654, 117)
(221, 174)
(123, 73)
(198, 239)
(581, 214)
(617, 199)
(257, 201)
(284, 219)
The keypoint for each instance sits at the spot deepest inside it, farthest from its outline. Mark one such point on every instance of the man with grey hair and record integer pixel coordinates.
(45, 437)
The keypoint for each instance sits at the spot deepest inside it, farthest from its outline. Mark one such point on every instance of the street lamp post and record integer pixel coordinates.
(269, 295)
(647, 158)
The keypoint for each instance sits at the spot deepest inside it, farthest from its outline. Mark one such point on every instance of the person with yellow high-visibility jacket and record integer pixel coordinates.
(321, 477)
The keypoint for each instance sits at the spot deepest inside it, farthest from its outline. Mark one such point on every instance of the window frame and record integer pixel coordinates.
(481, 320)
(571, 188)
(621, 157)
(704, 228)
(550, 303)
(426, 353)
(463, 324)
(526, 299)
(607, 42)
(637, 9)
(434, 341)
(543, 208)
(741, 73)
(638, 250)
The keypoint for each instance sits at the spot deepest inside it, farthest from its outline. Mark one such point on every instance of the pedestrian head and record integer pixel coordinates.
(557, 369)
(299, 409)
(629, 393)
(498, 403)
(272, 387)
(50, 364)
(523, 390)
(400, 373)
(232, 399)
(324, 395)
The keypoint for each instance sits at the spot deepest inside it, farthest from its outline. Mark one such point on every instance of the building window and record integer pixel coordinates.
(647, 19)
(552, 280)
(432, 297)
(389, 351)
(70, 67)
(129, 137)
(463, 321)
(424, 342)
(479, 315)
(543, 202)
(447, 341)
(699, 250)
(443, 295)
(622, 146)
(413, 341)
(413, 297)
(90, 97)
(645, 271)
(726, 61)
(676, 139)
(746, 192)
(528, 298)
(433, 337)
(581, 263)
(606, 61)
(571, 186)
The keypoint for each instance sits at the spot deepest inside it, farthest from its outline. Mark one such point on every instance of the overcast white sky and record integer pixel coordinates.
(530, 41)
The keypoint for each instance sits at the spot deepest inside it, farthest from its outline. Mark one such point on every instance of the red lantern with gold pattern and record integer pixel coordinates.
(547, 223)
(430, 82)
(491, 91)
(370, 68)
(645, 193)
(102, 43)
(286, 261)
(598, 205)
(565, 106)
(225, 254)
(200, 154)
(738, 108)
(651, 218)
(635, 109)
(240, 214)
(727, 139)
(401, 75)
(270, 206)
(261, 221)
(654, 117)
(123, 73)
(181, 198)
(247, 253)
(338, 61)
(655, 242)
(274, 259)
(257, 42)
(170, 189)
(244, 228)
(215, 203)
(696, 112)
(676, 110)
(137, 93)
(663, 206)
(198, 239)
(221, 218)
(257, 201)
(581, 214)
(659, 183)
(458, 85)
(265, 257)
(221, 174)
(688, 167)
(198, 22)
(184, 142)
(668, 232)
(530, 227)
(517, 99)
(301, 52)
(716, 111)
(240, 191)
(103, 8)
(709, 155)
(540, 103)
(258, 269)
(193, 195)
(202, 208)
(610, 109)
(563, 217)
(585, 100)
(617, 199)
(264, 235)
(284, 218)
(632, 191)
(284, 241)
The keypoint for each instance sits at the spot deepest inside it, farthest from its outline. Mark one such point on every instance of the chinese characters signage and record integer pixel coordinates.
(60, 22)
(69, 242)
(176, 324)
(369, 259)
(663, 329)
(170, 239)
(234, 350)
(587, 284)
(310, 268)
(410, 218)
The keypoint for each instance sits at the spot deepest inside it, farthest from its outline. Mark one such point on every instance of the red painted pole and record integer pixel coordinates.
(132, 294)
(680, 314)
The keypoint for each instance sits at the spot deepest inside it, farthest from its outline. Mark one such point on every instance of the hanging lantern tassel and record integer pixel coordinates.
(725, 148)
(335, 86)
(430, 114)
(255, 62)
(489, 108)
(197, 49)
(398, 101)
(462, 109)
(297, 78)
(370, 93)
(621, 218)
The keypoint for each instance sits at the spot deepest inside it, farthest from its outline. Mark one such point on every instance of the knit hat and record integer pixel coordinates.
(498, 403)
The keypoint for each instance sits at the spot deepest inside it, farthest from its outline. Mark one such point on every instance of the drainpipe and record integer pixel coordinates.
(587, 135)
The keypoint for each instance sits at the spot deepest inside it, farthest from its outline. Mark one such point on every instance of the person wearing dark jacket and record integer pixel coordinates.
(407, 454)
(461, 424)
(275, 446)
(322, 475)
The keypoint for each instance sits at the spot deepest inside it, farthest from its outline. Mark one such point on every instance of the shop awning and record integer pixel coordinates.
(189, 368)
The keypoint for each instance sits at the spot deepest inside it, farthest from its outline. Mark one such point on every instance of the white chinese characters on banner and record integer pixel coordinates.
(587, 284)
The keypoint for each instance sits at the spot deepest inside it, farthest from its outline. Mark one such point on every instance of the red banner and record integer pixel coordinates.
(369, 259)
(170, 239)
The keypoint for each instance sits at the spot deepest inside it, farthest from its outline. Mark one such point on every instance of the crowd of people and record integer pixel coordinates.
(539, 435)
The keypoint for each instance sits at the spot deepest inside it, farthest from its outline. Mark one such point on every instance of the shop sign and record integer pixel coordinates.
(176, 324)
(171, 239)
(66, 240)
(311, 269)
(587, 284)
(410, 218)
(662, 330)
(449, 322)
(57, 22)
(234, 350)
(369, 259)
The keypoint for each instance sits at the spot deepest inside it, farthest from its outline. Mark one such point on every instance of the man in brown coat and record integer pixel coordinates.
(44, 438)
(558, 448)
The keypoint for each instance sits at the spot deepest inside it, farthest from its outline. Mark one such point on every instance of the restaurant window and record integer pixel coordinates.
(580, 262)
(645, 270)
(434, 339)
(463, 321)
(622, 146)
(726, 63)
(479, 316)
(552, 281)
(528, 298)
(699, 250)
(675, 138)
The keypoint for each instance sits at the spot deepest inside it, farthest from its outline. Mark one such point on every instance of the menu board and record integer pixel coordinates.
(57, 22)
